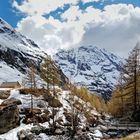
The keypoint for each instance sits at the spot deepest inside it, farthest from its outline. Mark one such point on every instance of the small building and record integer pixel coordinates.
(10, 85)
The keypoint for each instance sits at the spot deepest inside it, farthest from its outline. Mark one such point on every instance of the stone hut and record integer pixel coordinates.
(10, 85)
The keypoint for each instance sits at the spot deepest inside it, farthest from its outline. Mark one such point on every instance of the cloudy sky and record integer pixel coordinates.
(56, 24)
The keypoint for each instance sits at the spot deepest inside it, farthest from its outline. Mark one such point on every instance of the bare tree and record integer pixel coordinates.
(31, 81)
(73, 100)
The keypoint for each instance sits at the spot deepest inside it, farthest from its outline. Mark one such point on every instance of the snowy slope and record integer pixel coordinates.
(17, 53)
(8, 74)
(89, 66)
(10, 39)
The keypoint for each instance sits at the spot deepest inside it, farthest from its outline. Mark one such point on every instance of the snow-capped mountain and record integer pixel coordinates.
(17, 53)
(89, 66)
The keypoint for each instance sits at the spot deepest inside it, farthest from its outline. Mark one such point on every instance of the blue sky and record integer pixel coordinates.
(8, 14)
(62, 24)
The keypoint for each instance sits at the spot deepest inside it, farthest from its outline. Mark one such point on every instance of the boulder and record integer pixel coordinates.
(11, 101)
(136, 116)
(22, 134)
(35, 111)
(35, 118)
(38, 129)
(26, 135)
(44, 118)
(41, 104)
(4, 95)
(54, 103)
(59, 131)
(31, 116)
(82, 136)
(9, 117)
(28, 111)
(46, 111)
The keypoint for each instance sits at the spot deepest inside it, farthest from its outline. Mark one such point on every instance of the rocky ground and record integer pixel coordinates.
(17, 122)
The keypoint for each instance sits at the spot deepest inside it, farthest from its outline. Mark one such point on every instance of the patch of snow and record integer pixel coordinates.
(15, 94)
(1, 101)
(43, 136)
(9, 74)
(12, 134)
(98, 135)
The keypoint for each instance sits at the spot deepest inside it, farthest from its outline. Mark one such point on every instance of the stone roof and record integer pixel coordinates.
(7, 84)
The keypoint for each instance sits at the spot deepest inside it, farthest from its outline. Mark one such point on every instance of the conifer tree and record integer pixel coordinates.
(45, 71)
(50, 74)
(130, 77)
(128, 85)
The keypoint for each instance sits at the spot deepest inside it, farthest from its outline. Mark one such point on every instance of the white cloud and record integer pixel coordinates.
(115, 28)
(118, 30)
(40, 7)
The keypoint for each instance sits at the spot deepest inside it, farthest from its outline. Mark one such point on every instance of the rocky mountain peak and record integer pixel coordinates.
(92, 67)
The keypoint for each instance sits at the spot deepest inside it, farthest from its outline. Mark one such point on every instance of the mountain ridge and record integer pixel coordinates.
(91, 67)
(17, 54)
(88, 66)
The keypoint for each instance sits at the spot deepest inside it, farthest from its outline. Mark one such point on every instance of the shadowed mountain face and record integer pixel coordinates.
(16, 50)
(91, 67)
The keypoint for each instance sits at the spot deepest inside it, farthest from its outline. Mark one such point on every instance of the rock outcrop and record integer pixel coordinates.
(4, 94)
(90, 67)
(11, 101)
(9, 117)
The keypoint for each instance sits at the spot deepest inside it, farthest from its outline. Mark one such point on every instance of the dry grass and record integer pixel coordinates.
(36, 92)
(133, 136)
